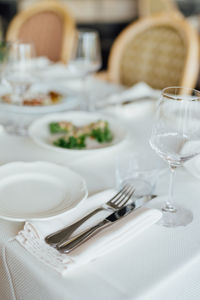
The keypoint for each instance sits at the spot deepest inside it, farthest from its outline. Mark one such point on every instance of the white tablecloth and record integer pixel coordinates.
(161, 263)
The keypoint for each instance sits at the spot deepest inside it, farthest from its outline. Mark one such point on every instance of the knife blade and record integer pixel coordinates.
(69, 245)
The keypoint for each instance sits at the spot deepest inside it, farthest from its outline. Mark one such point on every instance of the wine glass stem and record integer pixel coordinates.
(88, 95)
(169, 207)
(84, 103)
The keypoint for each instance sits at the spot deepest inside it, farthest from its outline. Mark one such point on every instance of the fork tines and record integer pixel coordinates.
(122, 197)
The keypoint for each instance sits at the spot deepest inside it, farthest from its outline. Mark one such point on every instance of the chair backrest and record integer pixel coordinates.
(151, 7)
(47, 25)
(160, 50)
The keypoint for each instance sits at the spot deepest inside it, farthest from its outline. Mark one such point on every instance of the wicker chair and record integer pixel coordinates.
(160, 50)
(47, 25)
(151, 7)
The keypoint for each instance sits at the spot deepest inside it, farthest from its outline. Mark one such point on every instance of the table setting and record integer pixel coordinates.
(84, 181)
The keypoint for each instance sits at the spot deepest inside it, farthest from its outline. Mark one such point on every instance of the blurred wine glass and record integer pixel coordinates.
(86, 60)
(19, 70)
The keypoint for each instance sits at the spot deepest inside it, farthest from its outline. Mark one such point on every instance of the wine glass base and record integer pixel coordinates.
(180, 217)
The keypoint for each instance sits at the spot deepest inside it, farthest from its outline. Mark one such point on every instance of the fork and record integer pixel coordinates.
(116, 202)
(70, 244)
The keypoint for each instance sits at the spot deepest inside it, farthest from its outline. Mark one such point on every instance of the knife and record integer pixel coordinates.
(69, 245)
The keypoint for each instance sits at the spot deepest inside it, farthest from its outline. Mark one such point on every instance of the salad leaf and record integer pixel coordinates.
(56, 128)
(71, 143)
(102, 134)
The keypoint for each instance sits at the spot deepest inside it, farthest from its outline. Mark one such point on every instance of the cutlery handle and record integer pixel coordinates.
(79, 239)
(63, 234)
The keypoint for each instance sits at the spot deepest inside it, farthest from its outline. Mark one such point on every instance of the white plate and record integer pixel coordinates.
(16, 118)
(39, 130)
(67, 103)
(38, 190)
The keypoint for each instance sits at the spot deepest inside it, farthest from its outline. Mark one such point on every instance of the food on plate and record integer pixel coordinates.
(55, 96)
(74, 137)
(51, 97)
(60, 127)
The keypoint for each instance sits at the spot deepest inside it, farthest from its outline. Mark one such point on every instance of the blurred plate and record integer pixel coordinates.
(67, 103)
(38, 191)
(17, 118)
(39, 130)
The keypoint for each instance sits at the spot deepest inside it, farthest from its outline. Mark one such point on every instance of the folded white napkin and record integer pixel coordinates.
(137, 91)
(58, 71)
(45, 87)
(40, 62)
(60, 78)
(33, 233)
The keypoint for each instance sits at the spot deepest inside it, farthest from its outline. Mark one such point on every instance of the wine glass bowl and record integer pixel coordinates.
(86, 57)
(174, 135)
(19, 71)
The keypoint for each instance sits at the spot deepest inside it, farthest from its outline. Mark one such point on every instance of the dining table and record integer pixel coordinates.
(160, 263)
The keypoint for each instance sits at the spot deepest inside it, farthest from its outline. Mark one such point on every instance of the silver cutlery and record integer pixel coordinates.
(139, 99)
(126, 101)
(79, 239)
(129, 194)
(115, 203)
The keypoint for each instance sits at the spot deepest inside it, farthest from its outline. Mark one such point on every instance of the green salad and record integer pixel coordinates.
(74, 137)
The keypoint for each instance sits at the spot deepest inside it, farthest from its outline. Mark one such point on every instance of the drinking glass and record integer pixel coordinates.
(86, 60)
(19, 72)
(140, 169)
(174, 138)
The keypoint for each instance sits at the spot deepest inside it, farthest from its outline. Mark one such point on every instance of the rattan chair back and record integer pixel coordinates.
(160, 50)
(49, 26)
(150, 7)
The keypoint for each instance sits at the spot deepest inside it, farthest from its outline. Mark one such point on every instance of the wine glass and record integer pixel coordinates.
(19, 70)
(86, 60)
(175, 137)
